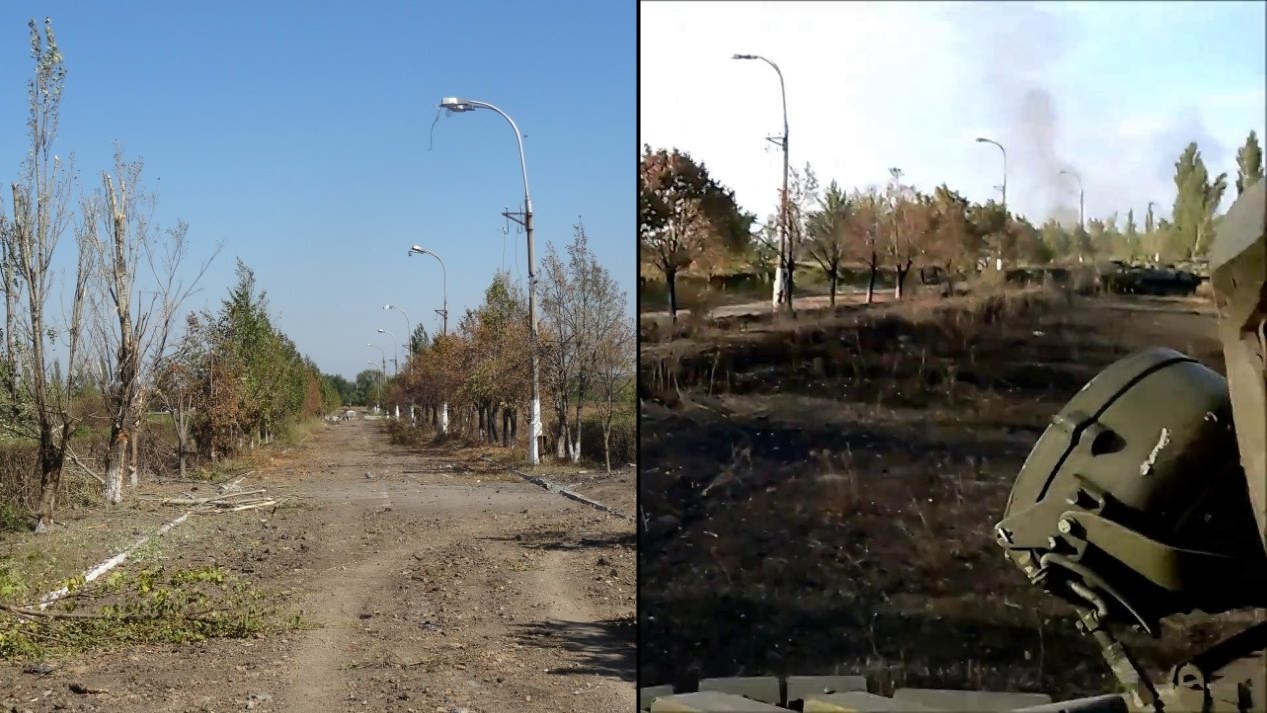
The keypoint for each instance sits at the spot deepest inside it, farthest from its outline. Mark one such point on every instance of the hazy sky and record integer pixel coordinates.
(1111, 90)
(301, 135)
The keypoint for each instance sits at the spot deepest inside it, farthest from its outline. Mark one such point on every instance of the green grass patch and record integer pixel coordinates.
(153, 605)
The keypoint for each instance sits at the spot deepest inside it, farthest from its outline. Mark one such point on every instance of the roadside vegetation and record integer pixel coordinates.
(472, 386)
(699, 250)
(108, 383)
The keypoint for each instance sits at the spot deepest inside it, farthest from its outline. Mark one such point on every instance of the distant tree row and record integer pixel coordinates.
(690, 222)
(479, 375)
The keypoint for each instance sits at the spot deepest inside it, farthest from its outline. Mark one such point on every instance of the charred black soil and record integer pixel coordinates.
(818, 494)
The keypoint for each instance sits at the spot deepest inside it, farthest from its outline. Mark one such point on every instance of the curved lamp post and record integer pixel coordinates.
(409, 328)
(463, 105)
(444, 312)
(983, 140)
(998, 257)
(384, 368)
(1082, 223)
(396, 346)
(783, 273)
(395, 363)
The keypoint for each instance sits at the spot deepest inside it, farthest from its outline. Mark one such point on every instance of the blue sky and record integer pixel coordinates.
(1113, 91)
(301, 135)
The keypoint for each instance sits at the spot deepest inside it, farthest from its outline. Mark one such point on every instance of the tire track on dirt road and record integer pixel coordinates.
(570, 609)
(426, 597)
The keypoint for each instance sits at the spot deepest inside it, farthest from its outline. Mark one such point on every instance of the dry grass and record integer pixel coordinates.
(822, 491)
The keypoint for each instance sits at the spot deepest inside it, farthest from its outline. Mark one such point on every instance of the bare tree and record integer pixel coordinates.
(614, 378)
(581, 305)
(131, 326)
(864, 231)
(911, 219)
(41, 213)
(178, 386)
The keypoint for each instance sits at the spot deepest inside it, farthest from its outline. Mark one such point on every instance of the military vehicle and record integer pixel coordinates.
(1145, 497)
(1165, 280)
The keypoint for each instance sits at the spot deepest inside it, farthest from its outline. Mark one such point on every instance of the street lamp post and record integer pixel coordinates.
(409, 329)
(461, 105)
(396, 352)
(998, 258)
(1082, 226)
(1081, 195)
(444, 313)
(1148, 231)
(384, 369)
(983, 140)
(395, 365)
(783, 273)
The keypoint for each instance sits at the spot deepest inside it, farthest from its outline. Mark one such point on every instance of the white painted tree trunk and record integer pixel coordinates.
(112, 490)
(576, 445)
(444, 417)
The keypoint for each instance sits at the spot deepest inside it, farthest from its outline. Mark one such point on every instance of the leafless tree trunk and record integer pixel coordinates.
(614, 370)
(581, 305)
(8, 266)
(874, 266)
(41, 211)
(133, 331)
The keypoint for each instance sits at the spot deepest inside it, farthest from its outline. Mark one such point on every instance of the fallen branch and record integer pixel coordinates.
(213, 499)
(552, 488)
(226, 484)
(111, 563)
(75, 459)
(253, 506)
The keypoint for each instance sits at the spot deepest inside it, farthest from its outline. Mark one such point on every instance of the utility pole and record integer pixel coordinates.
(783, 282)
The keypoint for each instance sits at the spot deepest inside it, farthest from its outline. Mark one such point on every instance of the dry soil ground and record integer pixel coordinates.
(821, 492)
(428, 582)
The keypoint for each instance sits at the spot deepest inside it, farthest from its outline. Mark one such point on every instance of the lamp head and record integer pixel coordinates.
(743, 56)
(455, 104)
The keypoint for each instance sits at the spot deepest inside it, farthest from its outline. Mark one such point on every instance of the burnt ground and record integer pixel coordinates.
(820, 493)
(424, 580)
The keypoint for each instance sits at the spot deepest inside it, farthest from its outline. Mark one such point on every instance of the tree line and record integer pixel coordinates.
(475, 381)
(687, 220)
(90, 351)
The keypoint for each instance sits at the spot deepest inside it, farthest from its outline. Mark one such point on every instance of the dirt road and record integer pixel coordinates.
(424, 585)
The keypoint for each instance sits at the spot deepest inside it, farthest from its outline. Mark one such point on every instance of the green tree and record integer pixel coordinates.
(344, 388)
(1029, 246)
(828, 234)
(1195, 202)
(369, 383)
(1249, 164)
(419, 339)
(955, 243)
(1058, 240)
(1130, 237)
